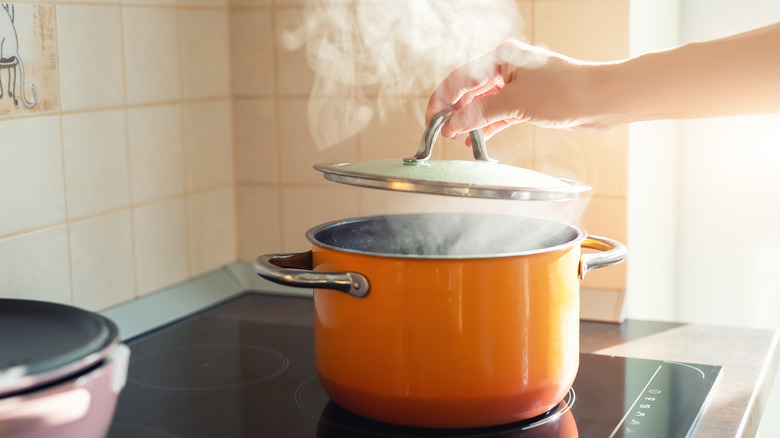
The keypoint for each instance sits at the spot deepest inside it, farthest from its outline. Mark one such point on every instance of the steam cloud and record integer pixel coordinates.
(367, 54)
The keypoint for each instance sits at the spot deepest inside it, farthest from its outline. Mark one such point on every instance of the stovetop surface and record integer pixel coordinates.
(245, 368)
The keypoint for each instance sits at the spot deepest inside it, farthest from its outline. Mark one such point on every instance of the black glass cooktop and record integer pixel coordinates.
(245, 368)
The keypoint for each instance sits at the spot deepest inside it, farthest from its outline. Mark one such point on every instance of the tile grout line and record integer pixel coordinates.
(277, 128)
(117, 107)
(150, 5)
(62, 149)
(133, 249)
(115, 210)
(185, 174)
(232, 110)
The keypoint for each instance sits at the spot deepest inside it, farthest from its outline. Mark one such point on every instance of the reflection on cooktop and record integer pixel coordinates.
(333, 421)
(203, 367)
(239, 370)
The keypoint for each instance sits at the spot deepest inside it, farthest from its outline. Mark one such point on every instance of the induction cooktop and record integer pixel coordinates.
(245, 368)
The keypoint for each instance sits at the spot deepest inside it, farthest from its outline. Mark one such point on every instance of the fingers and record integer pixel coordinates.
(464, 83)
(498, 107)
(466, 100)
(483, 92)
(491, 130)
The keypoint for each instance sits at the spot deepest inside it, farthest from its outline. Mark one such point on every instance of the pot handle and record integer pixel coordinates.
(614, 253)
(296, 269)
(425, 149)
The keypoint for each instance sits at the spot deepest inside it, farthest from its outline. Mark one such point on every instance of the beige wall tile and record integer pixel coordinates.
(156, 152)
(160, 232)
(36, 81)
(594, 30)
(298, 150)
(150, 2)
(294, 76)
(252, 53)
(380, 202)
(598, 159)
(561, 154)
(151, 39)
(456, 149)
(303, 208)
(205, 53)
(32, 193)
(513, 146)
(90, 56)
(250, 3)
(606, 217)
(212, 228)
(258, 222)
(203, 3)
(285, 3)
(96, 168)
(525, 8)
(256, 146)
(96, 1)
(208, 144)
(35, 266)
(395, 130)
(101, 254)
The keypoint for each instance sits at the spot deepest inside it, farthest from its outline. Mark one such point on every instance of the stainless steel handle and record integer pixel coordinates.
(295, 269)
(614, 253)
(425, 149)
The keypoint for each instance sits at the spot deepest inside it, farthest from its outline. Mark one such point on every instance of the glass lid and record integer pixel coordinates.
(482, 178)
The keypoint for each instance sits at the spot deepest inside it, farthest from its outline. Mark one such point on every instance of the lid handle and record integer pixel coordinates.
(425, 149)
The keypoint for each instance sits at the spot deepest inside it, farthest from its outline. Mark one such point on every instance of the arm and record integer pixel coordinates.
(730, 76)
(520, 83)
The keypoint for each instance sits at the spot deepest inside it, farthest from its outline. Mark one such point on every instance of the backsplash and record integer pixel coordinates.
(119, 181)
(170, 137)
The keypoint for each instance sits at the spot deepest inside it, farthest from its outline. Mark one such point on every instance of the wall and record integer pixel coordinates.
(727, 207)
(701, 194)
(652, 180)
(747, 149)
(170, 137)
(119, 180)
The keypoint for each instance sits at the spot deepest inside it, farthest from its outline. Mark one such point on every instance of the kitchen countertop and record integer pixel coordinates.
(749, 357)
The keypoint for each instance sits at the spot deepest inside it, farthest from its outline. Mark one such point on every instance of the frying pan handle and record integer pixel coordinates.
(296, 269)
(425, 149)
(614, 253)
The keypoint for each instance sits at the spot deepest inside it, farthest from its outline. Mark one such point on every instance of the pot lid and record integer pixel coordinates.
(482, 178)
(41, 342)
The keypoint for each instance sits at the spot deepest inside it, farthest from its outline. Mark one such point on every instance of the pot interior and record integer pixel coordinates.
(445, 235)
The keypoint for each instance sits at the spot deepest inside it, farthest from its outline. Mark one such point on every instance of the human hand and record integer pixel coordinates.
(515, 83)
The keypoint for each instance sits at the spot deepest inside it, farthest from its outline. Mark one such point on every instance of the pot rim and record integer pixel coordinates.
(580, 236)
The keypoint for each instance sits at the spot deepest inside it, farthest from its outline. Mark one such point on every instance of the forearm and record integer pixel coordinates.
(730, 76)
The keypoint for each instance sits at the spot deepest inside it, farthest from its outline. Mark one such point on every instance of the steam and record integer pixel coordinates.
(367, 55)
(443, 235)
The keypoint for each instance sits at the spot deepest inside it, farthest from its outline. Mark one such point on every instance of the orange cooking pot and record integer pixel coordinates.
(445, 320)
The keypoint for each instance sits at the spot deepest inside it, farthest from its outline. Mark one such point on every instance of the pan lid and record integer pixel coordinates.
(482, 178)
(42, 342)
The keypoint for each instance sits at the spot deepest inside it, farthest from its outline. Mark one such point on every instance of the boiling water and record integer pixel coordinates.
(445, 235)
